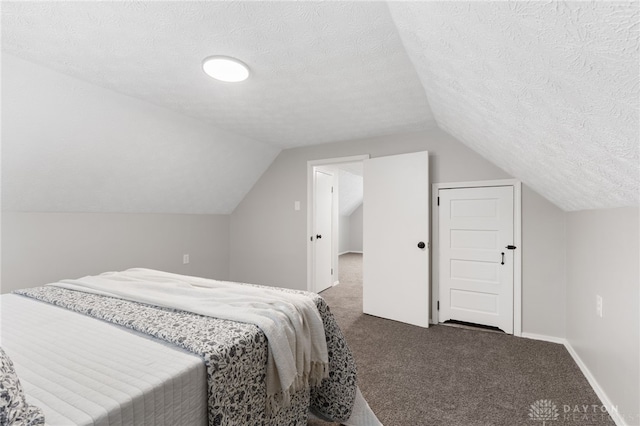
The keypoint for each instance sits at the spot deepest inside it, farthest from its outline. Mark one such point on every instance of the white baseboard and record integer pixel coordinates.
(336, 283)
(349, 251)
(544, 338)
(617, 418)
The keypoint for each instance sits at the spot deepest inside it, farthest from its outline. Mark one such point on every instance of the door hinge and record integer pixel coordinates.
(311, 238)
(438, 200)
(438, 305)
(332, 189)
(331, 271)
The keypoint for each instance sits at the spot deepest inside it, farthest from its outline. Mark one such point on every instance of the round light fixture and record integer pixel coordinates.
(226, 69)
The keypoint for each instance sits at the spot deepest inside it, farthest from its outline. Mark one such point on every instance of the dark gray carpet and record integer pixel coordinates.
(452, 376)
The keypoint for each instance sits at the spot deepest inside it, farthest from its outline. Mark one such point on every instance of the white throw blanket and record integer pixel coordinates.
(295, 333)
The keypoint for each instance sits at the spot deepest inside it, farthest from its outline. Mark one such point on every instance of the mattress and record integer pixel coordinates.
(84, 371)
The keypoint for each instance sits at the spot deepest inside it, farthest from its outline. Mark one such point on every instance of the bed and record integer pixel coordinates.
(86, 357)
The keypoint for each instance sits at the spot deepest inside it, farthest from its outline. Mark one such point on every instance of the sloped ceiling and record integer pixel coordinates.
(350, 183)
(351, 188)
(71, 146)
(547, 91)
(321, 72)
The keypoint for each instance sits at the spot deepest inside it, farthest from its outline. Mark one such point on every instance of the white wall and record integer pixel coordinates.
(38, 248)
(355, 230)
(603, 259)
(280, 258)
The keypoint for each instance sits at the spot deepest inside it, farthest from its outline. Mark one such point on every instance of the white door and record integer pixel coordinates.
(396, 237)
(476, 267)
(323, 205)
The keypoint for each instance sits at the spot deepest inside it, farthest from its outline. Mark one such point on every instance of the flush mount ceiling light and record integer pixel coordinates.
(224, 68)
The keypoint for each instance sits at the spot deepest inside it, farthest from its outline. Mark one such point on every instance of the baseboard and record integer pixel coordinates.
(545, 338)
(336, 283)
(617, 418)
(600, 393)
(349, 251)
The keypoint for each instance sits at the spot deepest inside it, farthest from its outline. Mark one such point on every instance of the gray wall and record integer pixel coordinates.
(38, 248)
(280, 255)
(603, 259)
(70, 146)
(355, 229)
(351, 232)
(344, 226)
(543, 265)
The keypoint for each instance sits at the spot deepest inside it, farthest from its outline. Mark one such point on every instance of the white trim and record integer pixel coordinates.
(517, 264)
(349, 251)
(476, 184)
(544, 338)
(310, 166)
(517, 241)
(611, 409)
(600, 393)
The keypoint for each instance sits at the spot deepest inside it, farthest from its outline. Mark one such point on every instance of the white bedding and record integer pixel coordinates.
(83, 371)
(297, 345)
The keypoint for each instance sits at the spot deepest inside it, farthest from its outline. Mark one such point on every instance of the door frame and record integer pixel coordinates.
(517, 236)
(311, 165)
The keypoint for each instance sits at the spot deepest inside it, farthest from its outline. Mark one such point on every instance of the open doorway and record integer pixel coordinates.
(395, 231)
(350, 225)
(344, 240)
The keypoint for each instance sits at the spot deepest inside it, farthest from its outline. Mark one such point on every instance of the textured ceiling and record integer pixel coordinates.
(548, 91)
(351, 185)
(351, 192)
(351, 189)
(321, 72)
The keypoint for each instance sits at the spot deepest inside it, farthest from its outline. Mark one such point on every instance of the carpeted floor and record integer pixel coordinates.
(453, 376)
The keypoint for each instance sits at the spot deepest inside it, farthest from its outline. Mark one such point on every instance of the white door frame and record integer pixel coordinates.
(311, 164)
(517, 236)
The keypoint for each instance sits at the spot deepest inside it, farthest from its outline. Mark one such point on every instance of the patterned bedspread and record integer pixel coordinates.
(234, 353)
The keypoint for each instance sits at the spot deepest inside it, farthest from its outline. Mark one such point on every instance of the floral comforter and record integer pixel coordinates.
(235, 355)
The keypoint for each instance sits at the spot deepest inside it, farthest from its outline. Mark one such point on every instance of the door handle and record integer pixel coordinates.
(421, 245)
(318, 236)
(502, 263)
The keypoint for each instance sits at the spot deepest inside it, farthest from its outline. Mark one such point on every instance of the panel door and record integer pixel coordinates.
(476, 267)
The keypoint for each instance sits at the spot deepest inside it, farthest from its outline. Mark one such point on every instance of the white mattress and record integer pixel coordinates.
(83, 371)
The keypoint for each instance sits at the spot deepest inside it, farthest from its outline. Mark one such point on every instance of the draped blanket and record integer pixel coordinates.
(295, 334)
(235, 354)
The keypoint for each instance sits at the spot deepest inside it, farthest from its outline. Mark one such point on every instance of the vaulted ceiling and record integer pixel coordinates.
(321, 72)
(547, 91)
